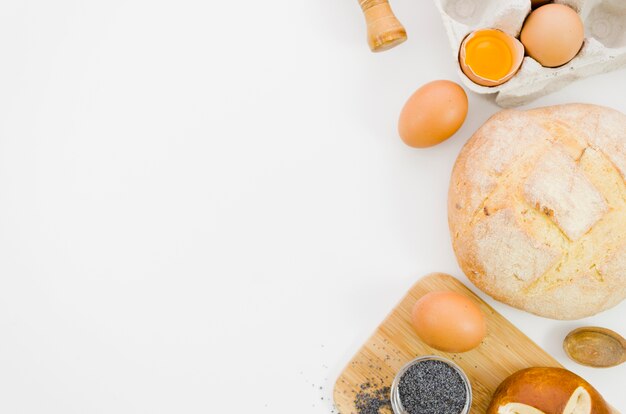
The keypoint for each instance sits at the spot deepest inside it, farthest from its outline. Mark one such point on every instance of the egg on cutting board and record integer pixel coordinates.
(448, 321)
(432, 114)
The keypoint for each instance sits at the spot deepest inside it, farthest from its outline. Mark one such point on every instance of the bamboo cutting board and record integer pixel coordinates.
(505, 349)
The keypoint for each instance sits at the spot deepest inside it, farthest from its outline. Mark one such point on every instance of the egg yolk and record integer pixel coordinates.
(488, 56)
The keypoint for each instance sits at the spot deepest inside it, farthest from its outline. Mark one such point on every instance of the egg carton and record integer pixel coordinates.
(603, 50)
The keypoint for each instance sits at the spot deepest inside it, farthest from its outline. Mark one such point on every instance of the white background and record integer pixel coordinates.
(205, 208)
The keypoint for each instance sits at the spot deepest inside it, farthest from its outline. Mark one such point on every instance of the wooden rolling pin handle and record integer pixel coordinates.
(384, 30)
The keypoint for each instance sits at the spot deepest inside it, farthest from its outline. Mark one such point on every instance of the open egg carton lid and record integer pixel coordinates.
(604, 48)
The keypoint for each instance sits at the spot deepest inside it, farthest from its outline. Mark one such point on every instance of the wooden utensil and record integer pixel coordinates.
(384, 30)
(595, 347)
(504, 351)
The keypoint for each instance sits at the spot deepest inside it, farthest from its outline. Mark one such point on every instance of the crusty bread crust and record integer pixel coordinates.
(537, 209)
(546, 389)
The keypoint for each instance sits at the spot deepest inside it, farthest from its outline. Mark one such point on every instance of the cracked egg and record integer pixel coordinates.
(490, 57)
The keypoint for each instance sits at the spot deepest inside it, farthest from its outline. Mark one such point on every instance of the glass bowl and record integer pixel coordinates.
(396, 404)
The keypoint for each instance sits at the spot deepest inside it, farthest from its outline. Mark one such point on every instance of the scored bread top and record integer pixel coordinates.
(537, 209)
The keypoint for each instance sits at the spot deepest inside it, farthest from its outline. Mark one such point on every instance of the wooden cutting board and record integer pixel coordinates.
(368, 375)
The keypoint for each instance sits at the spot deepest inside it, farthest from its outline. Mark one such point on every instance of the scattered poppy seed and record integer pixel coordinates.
(372, 401)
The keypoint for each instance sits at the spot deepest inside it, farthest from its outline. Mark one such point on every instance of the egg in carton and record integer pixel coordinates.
(603, 50)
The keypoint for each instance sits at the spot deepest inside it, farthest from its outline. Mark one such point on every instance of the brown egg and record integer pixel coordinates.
(553, 34)
(449, 321)
(432, 114)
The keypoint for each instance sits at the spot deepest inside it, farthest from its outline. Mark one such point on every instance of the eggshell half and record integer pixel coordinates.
(516, 47)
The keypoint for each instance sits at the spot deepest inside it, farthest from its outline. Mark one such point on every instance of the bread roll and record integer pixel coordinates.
(537, 209)
(546, 391)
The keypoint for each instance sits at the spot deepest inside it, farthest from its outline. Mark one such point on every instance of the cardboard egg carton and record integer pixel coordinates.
(604, 48)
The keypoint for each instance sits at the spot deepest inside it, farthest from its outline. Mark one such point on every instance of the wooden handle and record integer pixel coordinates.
(384, 30)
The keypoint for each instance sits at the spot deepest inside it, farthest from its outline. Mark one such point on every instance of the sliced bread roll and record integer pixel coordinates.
(547, 391)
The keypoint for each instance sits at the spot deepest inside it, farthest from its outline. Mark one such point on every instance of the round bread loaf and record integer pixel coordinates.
(547, 391)
(537, 209)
